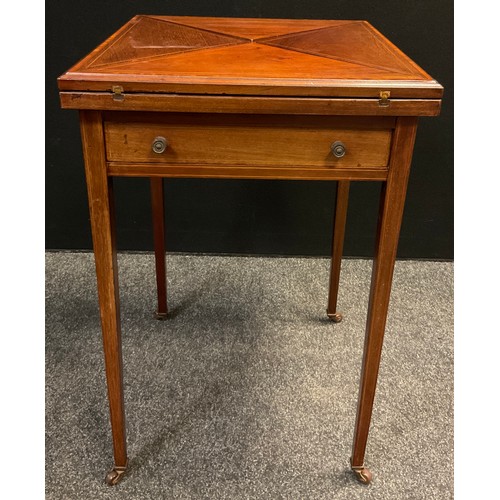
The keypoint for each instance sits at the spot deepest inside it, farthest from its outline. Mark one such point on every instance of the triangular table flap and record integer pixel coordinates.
(227, 60)
(151, 37)
(354, 43)
(251, 28)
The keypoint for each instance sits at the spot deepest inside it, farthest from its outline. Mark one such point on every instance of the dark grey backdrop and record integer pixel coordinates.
(257, 217)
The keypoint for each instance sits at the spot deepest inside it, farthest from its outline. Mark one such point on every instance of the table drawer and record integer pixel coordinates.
(253, 140)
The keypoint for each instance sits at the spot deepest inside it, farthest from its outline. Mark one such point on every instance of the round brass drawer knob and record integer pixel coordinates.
(338, 149)
(159, 145)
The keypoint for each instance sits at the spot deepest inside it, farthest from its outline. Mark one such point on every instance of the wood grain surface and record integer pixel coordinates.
(100, 195)
(242, 56)
(249, 140)
(249, 104)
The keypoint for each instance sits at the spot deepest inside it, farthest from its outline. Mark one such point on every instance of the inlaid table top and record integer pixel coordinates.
(251, 56)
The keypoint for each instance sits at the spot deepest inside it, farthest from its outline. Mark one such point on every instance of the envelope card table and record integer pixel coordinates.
(232, 98)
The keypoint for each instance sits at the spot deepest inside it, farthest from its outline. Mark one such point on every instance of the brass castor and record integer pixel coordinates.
(114, 476)
(335, 317)
(161, 316)
(363, 475)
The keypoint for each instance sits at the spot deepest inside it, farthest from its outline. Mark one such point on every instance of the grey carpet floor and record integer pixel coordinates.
(248, 391)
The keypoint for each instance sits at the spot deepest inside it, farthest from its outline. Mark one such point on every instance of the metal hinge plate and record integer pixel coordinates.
(117, 93)
(384, 98)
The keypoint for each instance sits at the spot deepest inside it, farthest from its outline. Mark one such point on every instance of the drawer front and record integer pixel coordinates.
(254, 140)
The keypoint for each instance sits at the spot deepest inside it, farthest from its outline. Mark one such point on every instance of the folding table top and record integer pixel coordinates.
(271, 57)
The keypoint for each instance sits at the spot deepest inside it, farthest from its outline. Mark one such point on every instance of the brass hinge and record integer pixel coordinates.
(384, 98)
(117, 93)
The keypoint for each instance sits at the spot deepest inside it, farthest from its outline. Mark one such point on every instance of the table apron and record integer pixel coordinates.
(105, 101)
(123, 169)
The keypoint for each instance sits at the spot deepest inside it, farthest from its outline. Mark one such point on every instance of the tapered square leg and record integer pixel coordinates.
(390, 216)
(340, 217)
(158, 213)
(100, 195)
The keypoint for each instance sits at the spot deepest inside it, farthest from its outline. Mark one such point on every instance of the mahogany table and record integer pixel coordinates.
(248, 99)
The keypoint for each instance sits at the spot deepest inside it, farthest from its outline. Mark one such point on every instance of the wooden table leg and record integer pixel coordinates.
(390, 216)
(340, 217)
(158, 212)
(99, 187)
